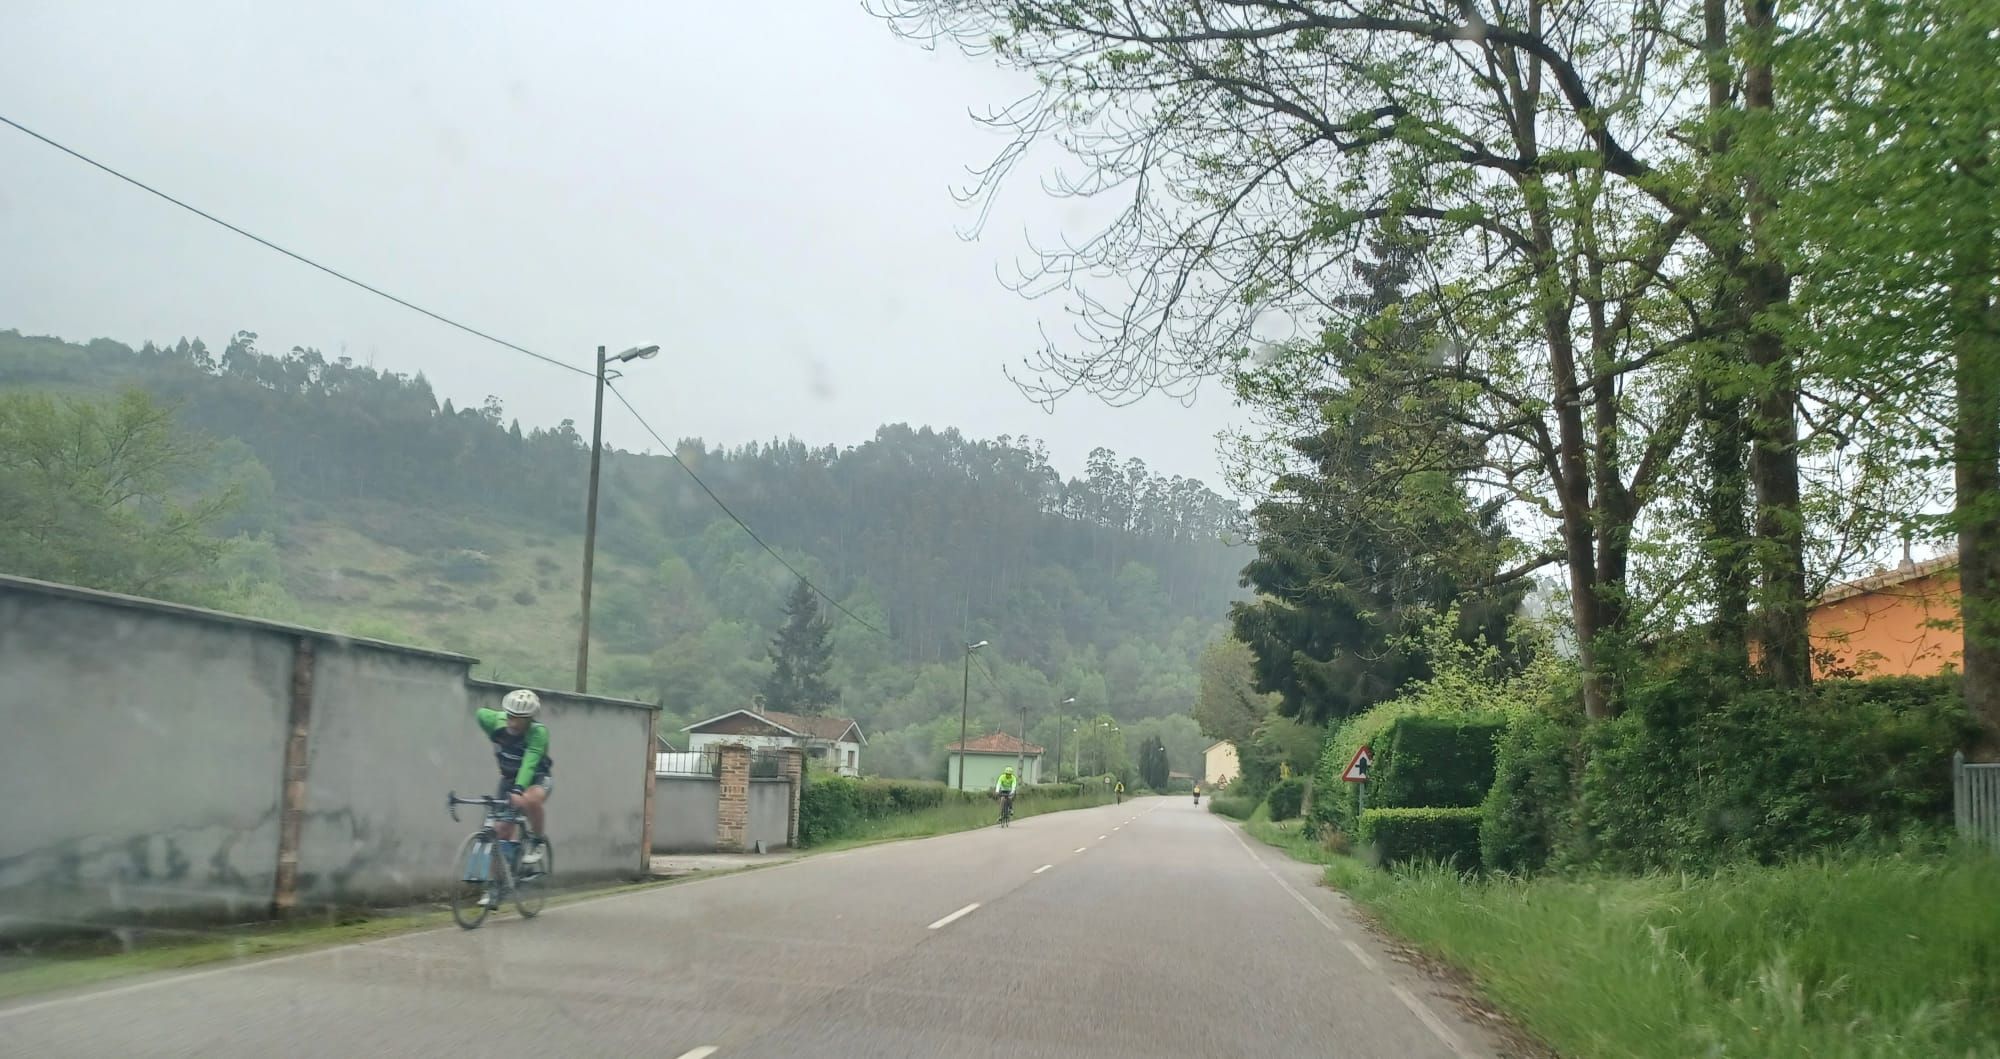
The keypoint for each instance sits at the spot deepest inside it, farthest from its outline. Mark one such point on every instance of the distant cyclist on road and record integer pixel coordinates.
(521, 745)
(1004, 787)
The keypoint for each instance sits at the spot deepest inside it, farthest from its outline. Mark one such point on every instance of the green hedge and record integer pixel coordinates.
(1234, 806)
(1703, 770)
(833, 806)
(1439, 762)
(1397, 836)
(1423, 758)
(1286, 798)
(1531, 806)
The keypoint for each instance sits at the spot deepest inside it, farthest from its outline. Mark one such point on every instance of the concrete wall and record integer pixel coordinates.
(685, 813)
(147, 758)
(770, 814)
(142, 757)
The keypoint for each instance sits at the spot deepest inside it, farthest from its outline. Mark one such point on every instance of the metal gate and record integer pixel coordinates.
(1975, 799)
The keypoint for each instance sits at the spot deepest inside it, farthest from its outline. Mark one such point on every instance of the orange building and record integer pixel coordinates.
(1901, 622)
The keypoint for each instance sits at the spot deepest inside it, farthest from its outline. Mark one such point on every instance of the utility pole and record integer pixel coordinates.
(964, 705)
(1059, 728)
(590, 508)
(1021, 754)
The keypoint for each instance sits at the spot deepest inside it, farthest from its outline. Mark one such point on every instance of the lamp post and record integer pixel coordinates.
(590, 508)
(1059, 728)
(964, 705)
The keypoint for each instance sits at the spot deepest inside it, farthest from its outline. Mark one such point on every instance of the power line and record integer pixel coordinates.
(294, 255)
(745, 526)
(467, 328)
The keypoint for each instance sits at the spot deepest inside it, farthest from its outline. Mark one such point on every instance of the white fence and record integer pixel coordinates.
(1975, 798)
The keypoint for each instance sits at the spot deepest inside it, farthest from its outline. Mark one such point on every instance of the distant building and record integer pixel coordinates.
(1883, 625)
(1218, 763)
(986, 755)
(830, 743)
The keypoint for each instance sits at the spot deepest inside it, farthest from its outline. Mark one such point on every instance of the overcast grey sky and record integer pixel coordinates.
(762, 189)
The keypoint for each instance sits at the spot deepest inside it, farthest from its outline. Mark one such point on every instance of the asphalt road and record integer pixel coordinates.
(1150, 929)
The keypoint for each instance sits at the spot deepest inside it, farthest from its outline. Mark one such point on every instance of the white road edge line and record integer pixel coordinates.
(1417, 1007)
(960, 914)
(1041, 869)
(702, 1052)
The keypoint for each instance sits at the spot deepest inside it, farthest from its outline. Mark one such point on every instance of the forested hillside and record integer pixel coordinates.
(364, 501)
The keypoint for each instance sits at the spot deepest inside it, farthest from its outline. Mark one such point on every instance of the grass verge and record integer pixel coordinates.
(1859, 955)
(945, 819)
(75, 962)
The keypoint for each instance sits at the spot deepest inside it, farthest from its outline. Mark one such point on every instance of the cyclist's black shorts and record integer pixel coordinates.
(542, 779)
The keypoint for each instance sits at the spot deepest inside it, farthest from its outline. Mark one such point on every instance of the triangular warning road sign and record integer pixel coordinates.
(1357, 769)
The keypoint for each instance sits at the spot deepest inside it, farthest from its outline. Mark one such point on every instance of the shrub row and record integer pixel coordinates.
(1701, 771)
(832, 806)
(1397, 836)
(1236, 807)
(1423, 758)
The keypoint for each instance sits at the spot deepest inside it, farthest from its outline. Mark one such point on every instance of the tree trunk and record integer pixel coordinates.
(1774, 426)
(1722, 504)
(1726, 491)
(1976, 460)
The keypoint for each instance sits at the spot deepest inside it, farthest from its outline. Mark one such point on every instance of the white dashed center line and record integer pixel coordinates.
(961, 913)
(702, 1052)
(1079, 849)
(1041, 869)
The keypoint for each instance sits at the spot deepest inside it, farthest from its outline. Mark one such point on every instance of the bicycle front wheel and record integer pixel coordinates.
(469, 906)
(531, 890)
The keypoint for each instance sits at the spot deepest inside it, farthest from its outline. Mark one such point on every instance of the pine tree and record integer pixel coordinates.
(1153, 763)
(1373, 532)
(801, 654)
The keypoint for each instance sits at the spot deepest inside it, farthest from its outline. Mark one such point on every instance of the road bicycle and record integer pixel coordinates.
(490, 869)
(1006, 809)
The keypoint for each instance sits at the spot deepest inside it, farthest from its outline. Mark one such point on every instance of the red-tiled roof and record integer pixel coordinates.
(997, 743)
(1890, 578)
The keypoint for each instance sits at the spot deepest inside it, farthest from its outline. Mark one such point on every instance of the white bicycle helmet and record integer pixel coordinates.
(521, 703)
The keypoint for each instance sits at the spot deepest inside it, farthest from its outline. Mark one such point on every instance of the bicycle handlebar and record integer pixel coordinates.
(452, 801)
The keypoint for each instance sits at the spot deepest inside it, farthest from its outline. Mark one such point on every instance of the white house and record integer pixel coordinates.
(830, 743)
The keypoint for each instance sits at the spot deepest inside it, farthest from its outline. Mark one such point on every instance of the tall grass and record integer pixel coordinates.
(1839, 956)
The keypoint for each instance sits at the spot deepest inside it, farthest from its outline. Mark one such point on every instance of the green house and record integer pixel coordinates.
(983, 758)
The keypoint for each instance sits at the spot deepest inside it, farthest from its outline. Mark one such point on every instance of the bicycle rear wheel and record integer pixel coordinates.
(468, 905)
(531, 890)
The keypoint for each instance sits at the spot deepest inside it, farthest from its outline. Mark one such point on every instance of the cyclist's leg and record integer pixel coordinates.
(533, 799)
(503, 829)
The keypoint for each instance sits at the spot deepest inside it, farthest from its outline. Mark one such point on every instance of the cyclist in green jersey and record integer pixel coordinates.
(521, 746)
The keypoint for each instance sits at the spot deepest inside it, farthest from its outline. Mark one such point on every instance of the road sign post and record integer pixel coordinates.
(1357, 774)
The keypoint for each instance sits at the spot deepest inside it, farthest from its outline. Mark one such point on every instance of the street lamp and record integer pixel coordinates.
(590, 509)
(964, 704)
(1059, 728)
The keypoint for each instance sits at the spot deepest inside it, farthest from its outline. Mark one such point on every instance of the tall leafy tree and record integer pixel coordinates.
(1894, 231)
(95, 493)
(801, 656)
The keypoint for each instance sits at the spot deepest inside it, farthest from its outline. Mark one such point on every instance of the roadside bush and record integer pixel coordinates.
(1286, 798)
(1529, 810)
(1436, 761)
(1233, 806)
(1398, 836)
(1050, 791)
(833, 806)
(1702, 771)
